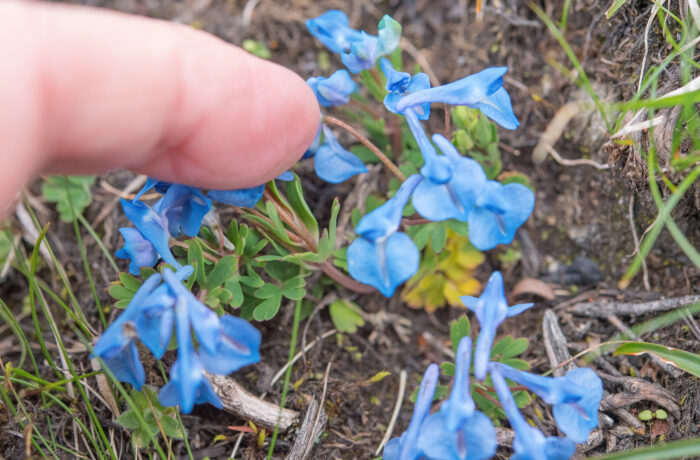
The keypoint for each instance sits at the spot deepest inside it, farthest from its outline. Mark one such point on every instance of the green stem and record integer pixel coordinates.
(287, 375)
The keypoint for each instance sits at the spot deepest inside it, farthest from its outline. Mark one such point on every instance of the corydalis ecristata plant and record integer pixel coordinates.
(458, 431)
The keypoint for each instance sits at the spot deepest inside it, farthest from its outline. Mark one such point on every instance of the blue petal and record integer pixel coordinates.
(454, 199)
(138, 249)
(391, 449)
(286, 176)
(384, 264)
(491, 309)
(483, 91)
(559, 448)
(460, 406)
(243, 198)
(500, 210)
(239, 346)
(151, 226)
(418, 82)
(126, 366)
(333, 163)
(468, 91)
(437, 168)
(184, 208)
(119, 333)
(497, 107)
(332, 29)
(363, 53)
(475, 439)
(334, 90)
(203, 319)
(576, 421)
(155, 330)
(386, 219)
(396, 82)
(409, 440)
(169, 395)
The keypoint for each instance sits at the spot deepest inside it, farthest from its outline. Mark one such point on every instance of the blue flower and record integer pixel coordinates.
(245, 197)
(405, 446)
(138, 249)
(529, 442)
(452, 182)
(152, 227)
(458, 431)
(491, 309)
(187, 385)
(358, 50)
(399, 84)
(334, 90)
(383, 257)
(117, 346)
(498, 212)
(483, 91)
(183, 208)
(333, 29)
(575, 397)
(333, 163)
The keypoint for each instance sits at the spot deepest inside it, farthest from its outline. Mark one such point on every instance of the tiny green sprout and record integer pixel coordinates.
(256, 48)
(645, 415)
(661, 414)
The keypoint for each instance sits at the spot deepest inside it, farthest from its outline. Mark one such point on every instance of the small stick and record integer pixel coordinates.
(604, 309)
(395, 413)
(367, 143)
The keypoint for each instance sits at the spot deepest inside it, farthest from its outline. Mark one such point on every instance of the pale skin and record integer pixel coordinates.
(87, 90)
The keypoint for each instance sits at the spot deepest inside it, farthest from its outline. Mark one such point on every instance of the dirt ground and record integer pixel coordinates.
(580, 211)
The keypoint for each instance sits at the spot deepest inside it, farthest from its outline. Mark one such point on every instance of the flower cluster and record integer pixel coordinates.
(160, 306)
(458, 431)
(450, 186)
(163, 306)
(179, 211)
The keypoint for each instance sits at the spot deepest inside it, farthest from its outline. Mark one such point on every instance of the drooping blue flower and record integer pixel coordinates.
(183, 208)
(499, 211)
(529, 442)
(245, 197)
(382, 256)
(491, 309)
(365, 52)
(333, 29)
(399, 84)
(117, 346)
(575, 397)
(155, 323)
(483, 90)
(334, 90)
(358, 50)
(187, 385)
(137, 249)
(451, 182)
(333, 163)
(458, 431)
(152, 227)
(405, 447)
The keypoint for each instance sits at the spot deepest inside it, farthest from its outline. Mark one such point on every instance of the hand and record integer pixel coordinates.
(85, 90)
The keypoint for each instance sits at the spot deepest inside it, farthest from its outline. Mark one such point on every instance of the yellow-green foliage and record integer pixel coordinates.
(446, 276)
